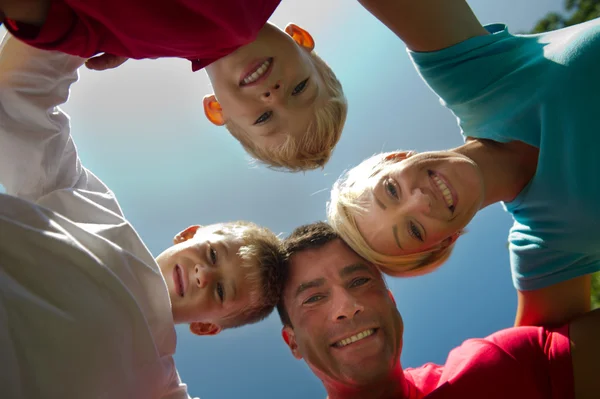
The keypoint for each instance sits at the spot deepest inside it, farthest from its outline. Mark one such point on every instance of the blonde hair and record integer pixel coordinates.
(262, 258)
(314, 148)
(349, 195)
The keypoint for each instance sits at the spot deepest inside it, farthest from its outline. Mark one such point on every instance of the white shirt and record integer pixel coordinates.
(84, 309)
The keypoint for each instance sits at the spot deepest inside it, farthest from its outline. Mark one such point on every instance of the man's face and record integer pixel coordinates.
(345, 322)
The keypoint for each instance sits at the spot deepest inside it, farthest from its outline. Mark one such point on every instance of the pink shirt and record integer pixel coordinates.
(199, 30)
(516, 363)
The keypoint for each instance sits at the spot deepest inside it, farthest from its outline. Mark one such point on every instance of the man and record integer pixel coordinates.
(339, 317)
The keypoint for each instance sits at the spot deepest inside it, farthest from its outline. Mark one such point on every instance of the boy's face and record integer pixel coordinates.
(205, 278)
(268, 88)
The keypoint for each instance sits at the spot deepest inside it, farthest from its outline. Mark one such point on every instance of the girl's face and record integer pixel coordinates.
(420, 201)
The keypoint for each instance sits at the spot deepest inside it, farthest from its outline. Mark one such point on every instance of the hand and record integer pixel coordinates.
(105, 61)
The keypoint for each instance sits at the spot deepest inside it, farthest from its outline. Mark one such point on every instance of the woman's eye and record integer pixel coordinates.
(300, 88)
(359, 281)
(391, 188)
(220, 292)
(263, 118)
(414, 231)
(213, 255)
(314, 298)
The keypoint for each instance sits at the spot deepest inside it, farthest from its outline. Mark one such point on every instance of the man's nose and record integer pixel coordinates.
(202, 276)
(346, 306)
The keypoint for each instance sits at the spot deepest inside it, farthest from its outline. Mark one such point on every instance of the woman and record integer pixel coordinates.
(527, 106)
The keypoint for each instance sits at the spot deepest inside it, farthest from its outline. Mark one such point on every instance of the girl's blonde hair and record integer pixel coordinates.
(350, 193)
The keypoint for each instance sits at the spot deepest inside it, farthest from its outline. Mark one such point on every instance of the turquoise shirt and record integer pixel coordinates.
(543, 90)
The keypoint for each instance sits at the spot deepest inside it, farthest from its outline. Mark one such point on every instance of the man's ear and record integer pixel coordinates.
(392, 296)
(290, 339)
(200, 328)
(399, 156)
(186, 234)
(213, 110)
(300, 36)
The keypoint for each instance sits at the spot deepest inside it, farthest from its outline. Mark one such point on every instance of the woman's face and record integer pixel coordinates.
(419, 201)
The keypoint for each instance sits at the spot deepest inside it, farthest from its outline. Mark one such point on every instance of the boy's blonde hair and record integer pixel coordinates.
(349, 195)
(262, 258)
(314, 148)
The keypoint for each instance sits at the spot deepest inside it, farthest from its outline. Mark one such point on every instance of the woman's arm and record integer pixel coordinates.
(555, 305)
(427, 25)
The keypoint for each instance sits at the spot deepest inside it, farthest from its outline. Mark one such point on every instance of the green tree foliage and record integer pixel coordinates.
(576, 11)
(596, 291)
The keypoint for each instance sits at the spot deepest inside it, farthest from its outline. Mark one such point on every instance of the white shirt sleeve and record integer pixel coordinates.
(37, 153)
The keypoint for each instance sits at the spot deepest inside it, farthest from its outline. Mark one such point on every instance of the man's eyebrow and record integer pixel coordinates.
(395, 232)
(310, 284)
(356, 267)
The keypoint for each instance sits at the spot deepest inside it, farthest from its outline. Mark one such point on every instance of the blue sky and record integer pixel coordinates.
(142, 130)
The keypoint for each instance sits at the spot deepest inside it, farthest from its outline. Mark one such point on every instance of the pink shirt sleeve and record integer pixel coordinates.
(516, 363)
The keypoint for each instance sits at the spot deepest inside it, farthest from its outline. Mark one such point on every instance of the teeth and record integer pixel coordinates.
(444, 189)
(257, 73)
(354, 338)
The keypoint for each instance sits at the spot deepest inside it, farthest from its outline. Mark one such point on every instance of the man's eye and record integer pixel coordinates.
(390, 187)
(220, 292)
(359, 281)
(263, 118)
(314, 298)
(300, 88)
(413, 230)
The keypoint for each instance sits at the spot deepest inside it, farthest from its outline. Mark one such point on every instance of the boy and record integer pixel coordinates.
(274, 94)
(85, 311)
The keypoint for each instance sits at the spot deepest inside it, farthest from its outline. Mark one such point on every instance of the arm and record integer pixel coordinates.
(31, 12)
(427, 25)
(584, 333)
(37, 154)
(554, 305)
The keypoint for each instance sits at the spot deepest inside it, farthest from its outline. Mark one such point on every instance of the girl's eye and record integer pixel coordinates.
(300, 88)
(414, 231)
(263, 118)
(359, 281)
(390, 187)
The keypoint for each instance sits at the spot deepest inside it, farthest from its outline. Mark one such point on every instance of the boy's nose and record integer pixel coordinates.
(202, 277)
(273, 93)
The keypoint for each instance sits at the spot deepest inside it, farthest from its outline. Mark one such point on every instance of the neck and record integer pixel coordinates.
(506, 168)
(392, 386)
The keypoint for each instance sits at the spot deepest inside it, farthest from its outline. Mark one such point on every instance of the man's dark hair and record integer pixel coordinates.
(308, 236)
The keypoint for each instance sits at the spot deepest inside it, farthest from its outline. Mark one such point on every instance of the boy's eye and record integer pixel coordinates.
(313, 299)
(413, 230)
(359, 281)
(213, 255)
(263, 118)
(300, 88)
(220, 292)
(390, 188)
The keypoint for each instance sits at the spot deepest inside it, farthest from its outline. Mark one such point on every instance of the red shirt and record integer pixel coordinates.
(516, 363)
(199, 30)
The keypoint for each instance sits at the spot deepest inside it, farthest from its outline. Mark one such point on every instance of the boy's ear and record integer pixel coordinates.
(186, 234)
(300, 36)
(290, 339)
(399, 156)
(213, 110)
(200, 328)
